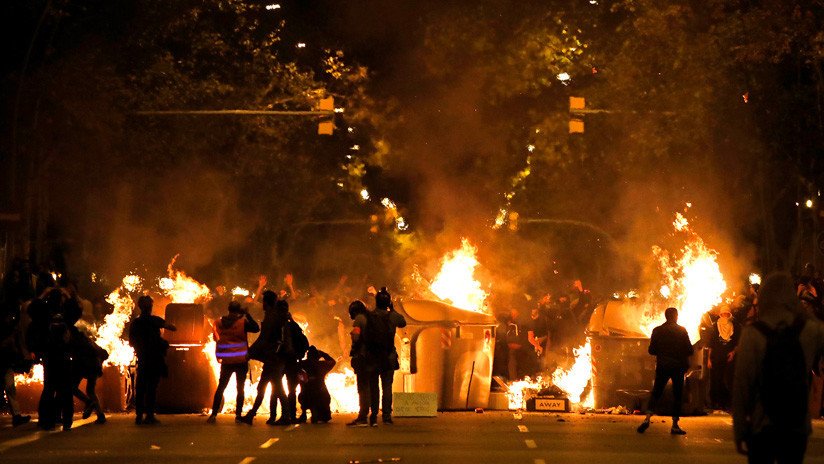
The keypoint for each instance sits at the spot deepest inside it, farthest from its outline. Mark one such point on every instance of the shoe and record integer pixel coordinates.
(101, 419)
(283, 421)
(87, 411)
(67, 426)
(247, 419)
(675, 430)
(20, 420)
(271, 421)
(373, 422)
(238, 419)
(358, 423)
(300, 420)
(643, 427)
(211, 419)
(151, 420)
(388, 420)
(138, 420)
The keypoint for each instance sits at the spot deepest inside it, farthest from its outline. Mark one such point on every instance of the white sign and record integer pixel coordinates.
(414, 404)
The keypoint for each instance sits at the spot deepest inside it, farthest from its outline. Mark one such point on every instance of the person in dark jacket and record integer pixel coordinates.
(231, 350)
(723, 340)
(89, 357)
(266, 349)
(53, 347)
(314, 396)
(150, 348)
(13, 358)
(389, 360)
(671, 346)
(364, 365)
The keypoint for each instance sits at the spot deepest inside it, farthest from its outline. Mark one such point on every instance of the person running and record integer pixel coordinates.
(150, 348)
(670, 344)
(231, 350)
(89, 366)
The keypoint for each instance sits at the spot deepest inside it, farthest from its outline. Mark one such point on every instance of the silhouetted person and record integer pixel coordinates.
(13, 359)
(231, 350)
(723, 339)
(774, 359)
(670, 344)
(53, 347)
(385, 351)
(314, 395)
(267, 349)
(364, 365)
(150, 348)
(89, 357)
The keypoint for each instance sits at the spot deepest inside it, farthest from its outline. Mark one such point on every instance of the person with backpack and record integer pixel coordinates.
(270, 349)
(774, 362)
(385, 321)
(294, 350)
(365, 366)
(670, 344)
(231, 350)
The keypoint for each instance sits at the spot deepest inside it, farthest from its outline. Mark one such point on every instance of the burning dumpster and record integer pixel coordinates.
(622, 369)
(450, 354)
(190, 384)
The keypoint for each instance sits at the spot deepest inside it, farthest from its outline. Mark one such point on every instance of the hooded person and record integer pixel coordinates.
(774, 360)
(231, 350)
(722, 342)
(314, 396)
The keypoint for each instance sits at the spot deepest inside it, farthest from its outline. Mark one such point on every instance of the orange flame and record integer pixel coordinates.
(181, 288)
(455, 283)
(693, 281)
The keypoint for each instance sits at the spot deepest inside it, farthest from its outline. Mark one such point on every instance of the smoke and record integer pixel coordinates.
(191, 211)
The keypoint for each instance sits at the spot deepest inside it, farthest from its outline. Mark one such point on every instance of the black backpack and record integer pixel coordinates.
(785, 381)
(380, 336)
(294, 342)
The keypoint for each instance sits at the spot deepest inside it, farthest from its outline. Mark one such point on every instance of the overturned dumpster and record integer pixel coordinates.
(623, 371)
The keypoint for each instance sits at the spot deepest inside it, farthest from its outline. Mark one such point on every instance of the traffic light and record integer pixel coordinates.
(326, 125)
(576, 104)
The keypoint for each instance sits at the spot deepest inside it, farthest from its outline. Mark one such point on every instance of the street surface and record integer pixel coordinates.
(455, 437)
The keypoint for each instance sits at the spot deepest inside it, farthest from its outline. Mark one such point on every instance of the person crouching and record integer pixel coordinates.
(314, 396)
(231, 349)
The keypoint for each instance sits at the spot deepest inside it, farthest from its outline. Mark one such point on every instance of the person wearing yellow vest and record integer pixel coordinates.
(231, 349)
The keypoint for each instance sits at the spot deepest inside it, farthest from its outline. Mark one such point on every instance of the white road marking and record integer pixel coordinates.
(247, 460)
(530, 444)
(523, 429)
(269, 442)
(540, 461)
(7, 445)
(154, 447)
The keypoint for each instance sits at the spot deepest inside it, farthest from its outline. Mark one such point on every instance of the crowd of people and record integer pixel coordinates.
(529, 344)
(48, 329)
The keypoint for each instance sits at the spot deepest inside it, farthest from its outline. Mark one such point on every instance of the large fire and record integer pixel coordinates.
(693, 282)
(572, 381)
(110, 334)
(456, 283)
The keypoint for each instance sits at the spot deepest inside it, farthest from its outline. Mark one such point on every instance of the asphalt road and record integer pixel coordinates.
(449, 438)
